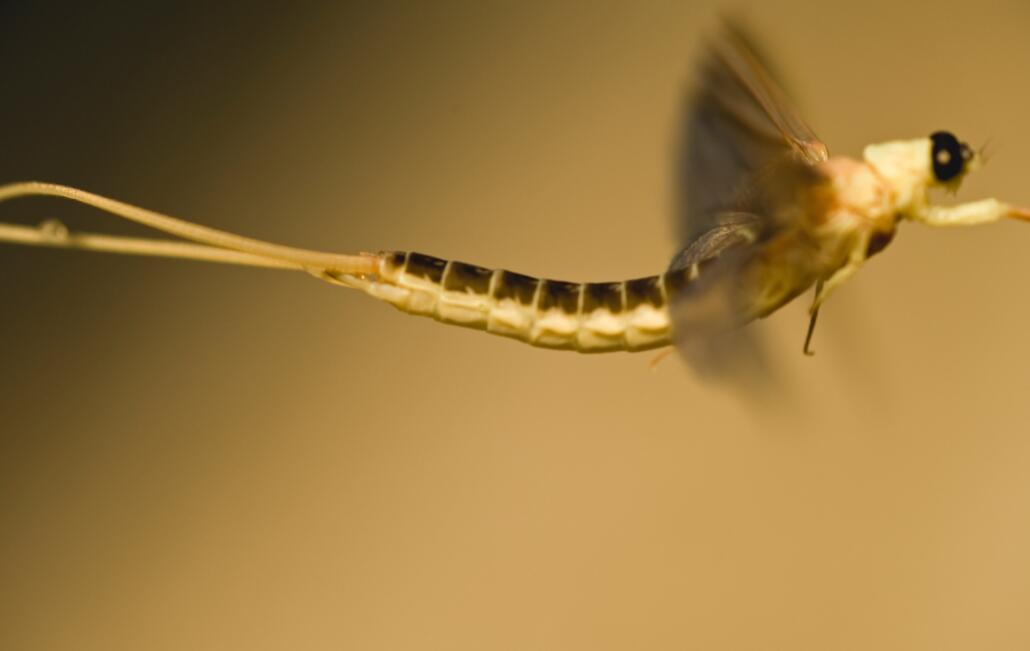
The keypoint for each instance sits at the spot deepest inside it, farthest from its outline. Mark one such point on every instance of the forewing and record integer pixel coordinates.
(742, 59)
(738, 122)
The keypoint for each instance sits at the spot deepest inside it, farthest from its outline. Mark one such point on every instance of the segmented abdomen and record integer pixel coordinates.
(586, 317)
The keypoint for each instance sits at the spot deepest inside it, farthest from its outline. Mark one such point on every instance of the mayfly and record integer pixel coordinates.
(766, 215)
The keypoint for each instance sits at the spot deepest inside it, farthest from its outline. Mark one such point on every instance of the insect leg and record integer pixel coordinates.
(811, 322)
(984, 211)
(838, 278)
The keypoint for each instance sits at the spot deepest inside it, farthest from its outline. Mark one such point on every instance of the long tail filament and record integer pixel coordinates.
(208, 243)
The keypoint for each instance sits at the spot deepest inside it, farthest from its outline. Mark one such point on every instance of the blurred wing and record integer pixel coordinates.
(750, 262)
(746, 165)
(739, 121)
(728, 231)
(710, 309)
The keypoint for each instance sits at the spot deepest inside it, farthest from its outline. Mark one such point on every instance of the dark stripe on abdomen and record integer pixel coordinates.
(462, 277)
(560, 294)
(675, 281)
(602, 295)
(644, 290)
(425, 266)
(517, 287)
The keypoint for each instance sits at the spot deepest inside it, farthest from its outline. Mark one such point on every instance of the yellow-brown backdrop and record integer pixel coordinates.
(199, 457)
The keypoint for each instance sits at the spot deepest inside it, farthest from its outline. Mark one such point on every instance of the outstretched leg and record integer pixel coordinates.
(813, 315)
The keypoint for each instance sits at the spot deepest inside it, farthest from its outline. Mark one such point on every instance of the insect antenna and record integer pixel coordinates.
(982, 152)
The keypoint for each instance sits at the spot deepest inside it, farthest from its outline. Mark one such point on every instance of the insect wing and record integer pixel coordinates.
(738, 121)
(709, 311)
(741, 58)
(746, 169)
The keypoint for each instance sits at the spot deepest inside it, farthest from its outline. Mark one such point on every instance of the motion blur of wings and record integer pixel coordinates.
(745, 162)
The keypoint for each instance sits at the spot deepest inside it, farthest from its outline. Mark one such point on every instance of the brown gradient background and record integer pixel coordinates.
(201, 457)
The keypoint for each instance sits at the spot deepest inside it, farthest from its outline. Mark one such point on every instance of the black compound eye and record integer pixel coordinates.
(949, 156)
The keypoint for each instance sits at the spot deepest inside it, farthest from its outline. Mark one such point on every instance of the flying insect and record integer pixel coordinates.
(766, 215)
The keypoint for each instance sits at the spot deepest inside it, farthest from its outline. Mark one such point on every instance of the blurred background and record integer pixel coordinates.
(203, 457)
